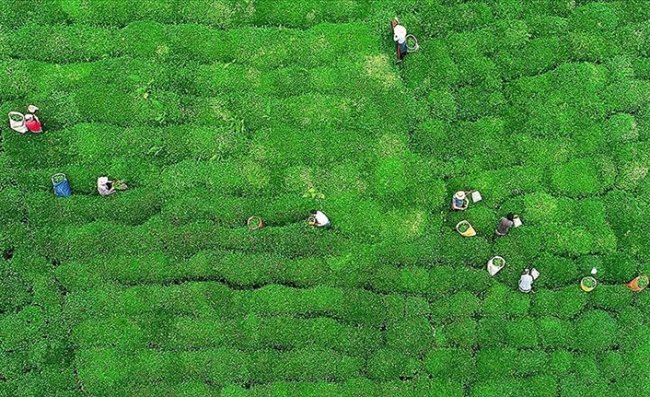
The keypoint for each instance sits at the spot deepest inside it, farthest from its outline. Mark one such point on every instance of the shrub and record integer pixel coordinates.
(493, 363)
(72, 43)
(564, 303)
(390, 365)
(500, 302)
(560, 362)
(442, 105)
(627, 96)
(612, 297)
(15, 290)
(454, 364)
(555, 271)
(622, 127)
(461, 304)
(22, 329)
(412, 337)
(521, 334)
(554, 333)
(289, 366)
(595, 331)
(579, 177)
(461, 333)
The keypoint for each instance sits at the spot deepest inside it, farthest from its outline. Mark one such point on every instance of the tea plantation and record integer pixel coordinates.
(217, 110)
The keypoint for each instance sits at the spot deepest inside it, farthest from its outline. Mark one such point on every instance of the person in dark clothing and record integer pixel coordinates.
(505, 224)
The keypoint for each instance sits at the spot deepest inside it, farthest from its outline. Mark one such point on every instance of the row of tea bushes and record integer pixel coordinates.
(264, 48)
(350, 306)
(22, 78)
(221, 13)
(249, 333)
(102, 369)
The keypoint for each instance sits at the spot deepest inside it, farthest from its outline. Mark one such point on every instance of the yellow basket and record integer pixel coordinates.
(588, 283)
(470, 232)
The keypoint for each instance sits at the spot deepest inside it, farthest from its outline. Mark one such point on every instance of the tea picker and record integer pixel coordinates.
(61, 186)
(401, 39)
(28, 122)
(106, 187)
(527, 279)
(319, 219)
(507, 222)
(460, 201)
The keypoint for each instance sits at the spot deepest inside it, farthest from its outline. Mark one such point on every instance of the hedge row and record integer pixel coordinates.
(247, 270)
(103, 369)
(22, 78)
(350, 306)
(264, 48)
(352, 387)
(249, 334)
(355, 386)
(222, 13)
(82, 242)
(164, 108)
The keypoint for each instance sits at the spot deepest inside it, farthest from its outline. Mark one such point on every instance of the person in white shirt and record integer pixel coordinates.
(106, 187)
(527, 279)
(459, 202)
(319, 219)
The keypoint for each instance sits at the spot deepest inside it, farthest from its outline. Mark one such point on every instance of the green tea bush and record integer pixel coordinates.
(461, 304)
(555, 271)
(461, 333)
(521, 334)
(22, 329)
(622, 128)
(564, 303)
(554, 333)
(595, 331)
(308, 13)
(216, 111)
(454, 364)
(442, 105)
(119, 13)
(390, 365)
(612, 298)
(413, 337)
(500, 301)
(535, 57)
(581, 177)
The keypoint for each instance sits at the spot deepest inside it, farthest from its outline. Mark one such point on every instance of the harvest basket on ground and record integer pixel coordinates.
(465, 229)
(588, 283)
(255, 222)
(495, 265)
(639, 283)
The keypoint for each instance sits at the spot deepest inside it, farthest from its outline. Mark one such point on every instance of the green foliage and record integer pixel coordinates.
(580, 177)
(595, 331)
(216, 111)
(450, 364)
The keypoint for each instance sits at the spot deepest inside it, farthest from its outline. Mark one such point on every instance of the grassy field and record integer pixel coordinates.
(216, 110)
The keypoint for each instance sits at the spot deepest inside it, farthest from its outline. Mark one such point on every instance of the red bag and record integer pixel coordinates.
(34, 125)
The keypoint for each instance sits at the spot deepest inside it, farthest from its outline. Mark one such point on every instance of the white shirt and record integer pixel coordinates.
(102, 187)
(526, 282)
(321, 219)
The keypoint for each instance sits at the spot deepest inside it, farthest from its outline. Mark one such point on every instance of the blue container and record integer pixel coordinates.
(61, 185)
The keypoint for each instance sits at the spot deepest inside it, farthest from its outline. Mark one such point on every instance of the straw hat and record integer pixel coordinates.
(460, 195)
